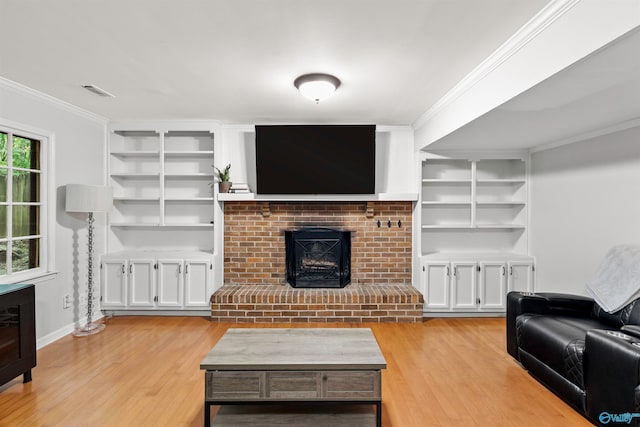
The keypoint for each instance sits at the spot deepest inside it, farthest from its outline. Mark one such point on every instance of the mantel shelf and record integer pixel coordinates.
(382, 197)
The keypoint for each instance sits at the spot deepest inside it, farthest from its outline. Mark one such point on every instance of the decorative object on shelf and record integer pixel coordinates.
(317, 86)
(223, 178)
(240, 187)
(88, 199)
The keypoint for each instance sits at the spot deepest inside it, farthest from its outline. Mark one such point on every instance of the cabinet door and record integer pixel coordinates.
(114, 281)
(463, 285)
(197, 283)
(141, 282)
(436, 284)
(493, 286)
(520, 276)
(170, 282)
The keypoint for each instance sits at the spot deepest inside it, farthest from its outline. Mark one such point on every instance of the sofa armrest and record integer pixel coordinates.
(541, 303)
(632, 330)
(611, 374)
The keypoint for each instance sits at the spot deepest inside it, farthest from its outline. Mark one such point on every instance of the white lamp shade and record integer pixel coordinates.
(88, 198)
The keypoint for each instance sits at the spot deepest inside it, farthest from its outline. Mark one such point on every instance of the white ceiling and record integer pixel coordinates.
(600, 92)
(235, 60)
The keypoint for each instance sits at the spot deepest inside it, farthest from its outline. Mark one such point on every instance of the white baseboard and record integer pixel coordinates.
(60, 333)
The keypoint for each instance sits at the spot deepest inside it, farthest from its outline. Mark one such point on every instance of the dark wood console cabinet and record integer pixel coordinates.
(17, 332)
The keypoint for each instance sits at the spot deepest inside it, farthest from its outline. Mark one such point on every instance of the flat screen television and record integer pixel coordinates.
(316, 159)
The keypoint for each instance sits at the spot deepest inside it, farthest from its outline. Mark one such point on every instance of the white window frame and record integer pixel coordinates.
(47, 204)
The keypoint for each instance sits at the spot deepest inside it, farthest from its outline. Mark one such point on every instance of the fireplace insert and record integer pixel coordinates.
(318, 258)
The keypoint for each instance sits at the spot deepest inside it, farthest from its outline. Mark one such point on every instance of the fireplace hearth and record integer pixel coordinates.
(318, 257)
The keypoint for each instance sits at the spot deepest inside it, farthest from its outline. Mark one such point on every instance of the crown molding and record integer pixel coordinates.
(549, 14)
(17, 87)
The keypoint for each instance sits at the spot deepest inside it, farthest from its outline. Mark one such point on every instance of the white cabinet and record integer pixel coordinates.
(136, 280)
(463, 285)
(435, 284)
(472, 284)
(141, 282)
(197, 283)
(450, 285)
(521, 276)
(114, 283)
(492, 286)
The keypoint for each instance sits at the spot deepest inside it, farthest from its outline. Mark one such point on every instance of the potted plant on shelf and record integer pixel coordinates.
(223, 178)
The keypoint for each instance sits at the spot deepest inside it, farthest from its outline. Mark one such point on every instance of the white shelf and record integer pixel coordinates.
(189, 175)
(448, 181)
(475, 203)
(501, 226)
(136, 199)
(390, 197)
(157, 225)
(160, 178)
(135, 153)
(135, 175)
(445, 203)
(505, 203)
(500, 181)
(182, 225)
(188, 199)
(446, 226)
(187, 153)
(134, 225)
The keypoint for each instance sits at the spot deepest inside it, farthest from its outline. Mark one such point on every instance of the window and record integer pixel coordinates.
(22, 210)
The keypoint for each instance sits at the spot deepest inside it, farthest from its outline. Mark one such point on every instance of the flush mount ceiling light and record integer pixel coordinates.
(317, 86)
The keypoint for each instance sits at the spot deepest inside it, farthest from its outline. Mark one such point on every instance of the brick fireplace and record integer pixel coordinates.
(255, 288)
(254, 246)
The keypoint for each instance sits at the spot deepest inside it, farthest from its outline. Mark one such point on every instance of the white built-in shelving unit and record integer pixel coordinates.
(161, 175)
(473, 230)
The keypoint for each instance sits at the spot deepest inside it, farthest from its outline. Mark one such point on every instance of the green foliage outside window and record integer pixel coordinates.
(26, 188)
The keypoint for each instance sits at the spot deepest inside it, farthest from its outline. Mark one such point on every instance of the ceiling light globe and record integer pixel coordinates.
(317, 87)
(317, 91)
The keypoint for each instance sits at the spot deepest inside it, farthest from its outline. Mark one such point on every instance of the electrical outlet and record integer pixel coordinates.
(66, 301)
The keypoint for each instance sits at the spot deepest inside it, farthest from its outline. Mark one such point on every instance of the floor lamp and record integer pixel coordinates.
(88, 199)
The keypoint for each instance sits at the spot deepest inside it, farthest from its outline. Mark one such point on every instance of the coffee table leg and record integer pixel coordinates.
(379, 414)
(207, 414)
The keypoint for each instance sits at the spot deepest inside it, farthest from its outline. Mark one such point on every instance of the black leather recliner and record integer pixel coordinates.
(589, 358)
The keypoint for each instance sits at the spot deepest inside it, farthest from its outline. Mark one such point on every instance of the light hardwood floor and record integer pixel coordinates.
(144, 371)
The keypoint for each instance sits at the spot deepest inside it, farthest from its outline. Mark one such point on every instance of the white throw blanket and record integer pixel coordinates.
(617, 281)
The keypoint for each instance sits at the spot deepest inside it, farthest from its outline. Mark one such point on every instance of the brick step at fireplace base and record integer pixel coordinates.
(283, 304)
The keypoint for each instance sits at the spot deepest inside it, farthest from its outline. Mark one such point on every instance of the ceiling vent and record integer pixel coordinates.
(98, 91)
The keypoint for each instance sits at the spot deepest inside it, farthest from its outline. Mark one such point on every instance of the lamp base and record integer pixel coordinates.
(89, 329)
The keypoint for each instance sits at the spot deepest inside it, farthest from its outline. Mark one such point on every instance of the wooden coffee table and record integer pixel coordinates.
(294, 366)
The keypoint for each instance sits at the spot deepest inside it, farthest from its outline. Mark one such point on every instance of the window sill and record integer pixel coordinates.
(31, 277)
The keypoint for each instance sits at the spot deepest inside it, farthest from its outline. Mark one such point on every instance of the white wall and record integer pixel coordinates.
(585, 198)
(78, 158)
